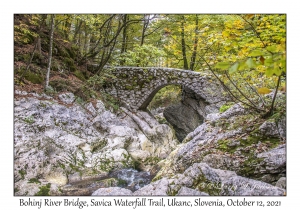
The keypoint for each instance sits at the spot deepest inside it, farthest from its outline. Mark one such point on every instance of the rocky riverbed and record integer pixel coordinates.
(65, 147)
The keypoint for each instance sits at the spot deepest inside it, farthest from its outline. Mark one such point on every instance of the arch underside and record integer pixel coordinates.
(149, 98)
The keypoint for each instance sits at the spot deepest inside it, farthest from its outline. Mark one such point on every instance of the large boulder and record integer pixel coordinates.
(242, 186)
(183, 118)
(281, 183)
(188, 114)
(158, 188)
(273, 161)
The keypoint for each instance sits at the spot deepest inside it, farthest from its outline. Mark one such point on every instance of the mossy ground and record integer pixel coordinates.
(34, 180)
(204, 185)
(44, 190)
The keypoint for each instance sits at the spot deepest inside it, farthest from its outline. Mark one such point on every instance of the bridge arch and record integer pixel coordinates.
(148, 99)
(136, 86)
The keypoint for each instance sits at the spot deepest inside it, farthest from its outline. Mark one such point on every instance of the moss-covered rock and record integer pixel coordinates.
(44, 190)
(98, 145)
(129, 87)
(34, 180)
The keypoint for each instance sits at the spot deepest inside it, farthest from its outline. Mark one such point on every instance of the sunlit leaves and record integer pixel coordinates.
(146, 55)
(269, 72)
(272, 48)
(223, 65)
(256, 53)
(263, 90)
(250, 63)
(233, 68)
(225, 34)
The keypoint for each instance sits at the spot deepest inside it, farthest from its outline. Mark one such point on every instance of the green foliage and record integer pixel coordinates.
(60, 85)
(104, 164)
(34, 180)
(223, 65)
(166, 96)
(95, 84)
(23, 32)
(225, 107)
(16, 190)
(253, 59)
(69, 62)
(152, 160)
(247, 52)
(122, 183)
(22, 172)
(44, 190)
(34, 77)
(79, 75)
(50, 91)
(79, 101)
(29, 120)
(145, 55)
(98, 145)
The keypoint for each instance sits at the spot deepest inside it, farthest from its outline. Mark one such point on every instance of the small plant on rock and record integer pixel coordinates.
(29, 120)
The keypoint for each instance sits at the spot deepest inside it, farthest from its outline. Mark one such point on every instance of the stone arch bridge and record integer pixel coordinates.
(136, 86)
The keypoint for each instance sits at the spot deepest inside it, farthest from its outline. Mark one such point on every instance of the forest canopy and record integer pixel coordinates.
(246, 53)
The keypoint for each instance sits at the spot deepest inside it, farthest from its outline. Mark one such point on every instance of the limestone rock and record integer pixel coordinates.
(242, 186)
(112, 191)
(190, 192)
(159, 188)
(236, 109)
(67, 98)
(183, 118)
(221, 162)
(58, 178)
(281, 124)
(213, 117)
(274, 161)
(269, 128)
(281, 183)
(91, 109)
(52, 139)
(24, 188)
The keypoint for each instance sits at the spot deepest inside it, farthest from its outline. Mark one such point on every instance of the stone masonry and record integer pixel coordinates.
(136, 86)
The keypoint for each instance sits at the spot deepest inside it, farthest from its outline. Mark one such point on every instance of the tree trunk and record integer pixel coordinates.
(183, 47)
(124, 35)
(194, 54)
(31, 57)
(124, 38)
(39, 46)
(145, 26)
(77, 29)
(67, 25)
(50, 50)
